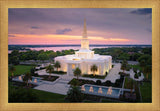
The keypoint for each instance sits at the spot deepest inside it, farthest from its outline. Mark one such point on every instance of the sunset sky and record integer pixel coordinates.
(65, 26)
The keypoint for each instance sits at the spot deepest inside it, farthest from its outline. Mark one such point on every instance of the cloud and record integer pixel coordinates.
(144, 11)
(10, 35)
(34, 27)
(63, 31)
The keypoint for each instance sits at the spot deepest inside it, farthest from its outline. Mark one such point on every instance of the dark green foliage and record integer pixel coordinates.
(57, 65)
(74, 95)
(49, 69)
(59, 72)
(75, 82)
(77, 72)
(32, 70)
(98, 82)
(94, 68)
(27, 77)
(136, 76)
(20, 95)
(81, 81)
(94, 76)
(108, 83)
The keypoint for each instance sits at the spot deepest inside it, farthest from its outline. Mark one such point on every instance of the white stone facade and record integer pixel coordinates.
(84, 59)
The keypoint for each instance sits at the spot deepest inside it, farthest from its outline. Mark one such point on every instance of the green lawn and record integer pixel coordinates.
(21, 69)
(146, 92)
(43, 96)
(48, 97)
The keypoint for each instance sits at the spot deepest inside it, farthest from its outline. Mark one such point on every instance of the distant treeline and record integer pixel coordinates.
(132, 54)
(25, 47)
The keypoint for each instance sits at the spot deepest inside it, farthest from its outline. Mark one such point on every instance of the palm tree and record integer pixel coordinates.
(94, 68)
(77, 72)
(130, 85)
(57, 65)
(12, 69)
(27, 77)
(124, 65)
(49, 69)
(143, 64)
(147, 70)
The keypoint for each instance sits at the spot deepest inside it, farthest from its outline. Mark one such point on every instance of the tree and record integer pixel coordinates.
(124, 65)
(130, 85)
(12, 69)
(43, 56)
(27, 77)
(21, 95)
(98, 82)
(57, 65)
(77, 72)
(74, 94)
(94, 68)
(142, 64)
(49, 69)
(147, 70)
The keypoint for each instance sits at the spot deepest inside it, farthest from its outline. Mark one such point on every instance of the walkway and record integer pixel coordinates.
(60, 87)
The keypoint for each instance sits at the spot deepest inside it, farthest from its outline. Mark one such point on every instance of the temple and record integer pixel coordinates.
(84, 59)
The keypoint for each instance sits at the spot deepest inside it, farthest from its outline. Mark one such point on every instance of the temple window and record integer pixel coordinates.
(73, 66)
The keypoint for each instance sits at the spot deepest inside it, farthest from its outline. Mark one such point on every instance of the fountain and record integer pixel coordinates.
(83, 88)
(109, 90)
(20, 78)
(100, 90)
(35, 80)
(91, 89)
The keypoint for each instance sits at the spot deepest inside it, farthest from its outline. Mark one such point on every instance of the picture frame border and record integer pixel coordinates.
(6, 4)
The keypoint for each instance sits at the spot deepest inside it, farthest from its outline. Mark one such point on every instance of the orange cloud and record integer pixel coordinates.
(57, 39)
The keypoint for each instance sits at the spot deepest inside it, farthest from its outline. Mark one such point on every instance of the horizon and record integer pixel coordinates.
(108, 26)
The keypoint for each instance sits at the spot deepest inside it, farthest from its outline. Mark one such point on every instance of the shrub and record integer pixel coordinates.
(108, 83)
(74, 95)
(139, 73)
(98, 82)
(136, 76)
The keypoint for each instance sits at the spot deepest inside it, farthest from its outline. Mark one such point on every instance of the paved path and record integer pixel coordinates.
(61, 86)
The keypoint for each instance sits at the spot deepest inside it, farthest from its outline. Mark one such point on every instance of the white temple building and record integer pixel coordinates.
(84, 59)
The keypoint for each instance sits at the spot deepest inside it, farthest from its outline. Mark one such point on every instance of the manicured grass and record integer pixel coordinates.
(21, 69)
(43, 96)
(146, 92)
(48, 97)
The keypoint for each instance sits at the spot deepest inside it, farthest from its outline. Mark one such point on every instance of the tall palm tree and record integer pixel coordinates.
(12, 69)
(49, 69)
(143, 64)
(27, 77)
(147, 70)
(57, 65)
(130, 85)
(77, 72)
(124, 65)
(94, 68)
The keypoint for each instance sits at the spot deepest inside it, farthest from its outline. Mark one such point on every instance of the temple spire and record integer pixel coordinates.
(85, 30)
